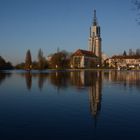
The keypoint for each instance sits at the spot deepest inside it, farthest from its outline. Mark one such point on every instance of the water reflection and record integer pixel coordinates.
(95, 93)
(41, 80)
(3, 76)
(93, 81)
(59, 79)
(70, 113)
(28, 79)
(125, 78)
(90, 81)
(40, 76)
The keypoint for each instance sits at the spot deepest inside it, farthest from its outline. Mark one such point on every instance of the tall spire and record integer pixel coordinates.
(95, 18)
(95, 38)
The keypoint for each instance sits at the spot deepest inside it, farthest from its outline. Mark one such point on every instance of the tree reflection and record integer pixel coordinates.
(59, 79)
(3, 76)
(28, 79)
(41, 77)
(80, 79)
(41, 80)
(90, 81)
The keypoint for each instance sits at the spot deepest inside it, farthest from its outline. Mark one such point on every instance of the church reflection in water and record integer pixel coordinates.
(95, 94)
(86, 80)
(91, 81)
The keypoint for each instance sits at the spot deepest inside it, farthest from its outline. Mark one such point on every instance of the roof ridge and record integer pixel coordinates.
(84, 52)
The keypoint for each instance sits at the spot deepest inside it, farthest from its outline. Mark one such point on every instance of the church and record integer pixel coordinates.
(92, 57)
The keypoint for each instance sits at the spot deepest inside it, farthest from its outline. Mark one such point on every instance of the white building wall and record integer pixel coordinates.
(82, 64)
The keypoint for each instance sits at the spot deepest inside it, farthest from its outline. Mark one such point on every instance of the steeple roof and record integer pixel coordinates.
(95, 19)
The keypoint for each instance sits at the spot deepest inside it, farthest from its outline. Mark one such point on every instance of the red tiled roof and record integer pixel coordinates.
(83, 53)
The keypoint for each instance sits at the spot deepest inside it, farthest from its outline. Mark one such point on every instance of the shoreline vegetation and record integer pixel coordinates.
(4, 65)
(61, 60)
(65, 70)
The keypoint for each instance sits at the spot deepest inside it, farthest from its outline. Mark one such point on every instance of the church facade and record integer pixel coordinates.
(92, 57)
(84, 59)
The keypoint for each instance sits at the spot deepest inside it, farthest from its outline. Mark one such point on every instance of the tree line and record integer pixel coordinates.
(132, 52)
(58, 60)
(5, 65)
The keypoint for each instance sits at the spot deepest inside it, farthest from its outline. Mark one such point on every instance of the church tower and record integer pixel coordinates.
(95, 38)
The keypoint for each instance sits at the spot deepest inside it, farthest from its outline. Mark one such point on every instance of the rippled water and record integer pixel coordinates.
(69, 105)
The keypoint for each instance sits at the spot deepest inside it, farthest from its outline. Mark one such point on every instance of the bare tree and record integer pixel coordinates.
(59, 60)
(41, 60)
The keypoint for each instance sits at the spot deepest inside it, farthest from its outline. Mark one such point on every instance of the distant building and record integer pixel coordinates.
(124, 62)
(104, 57)
(93, 57)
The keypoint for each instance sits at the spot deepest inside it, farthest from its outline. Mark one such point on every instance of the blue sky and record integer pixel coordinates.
(49, 24)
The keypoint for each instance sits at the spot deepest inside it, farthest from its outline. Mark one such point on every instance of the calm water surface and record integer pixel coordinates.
(72, 105)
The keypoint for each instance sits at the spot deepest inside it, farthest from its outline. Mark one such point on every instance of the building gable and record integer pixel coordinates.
(80, 52)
